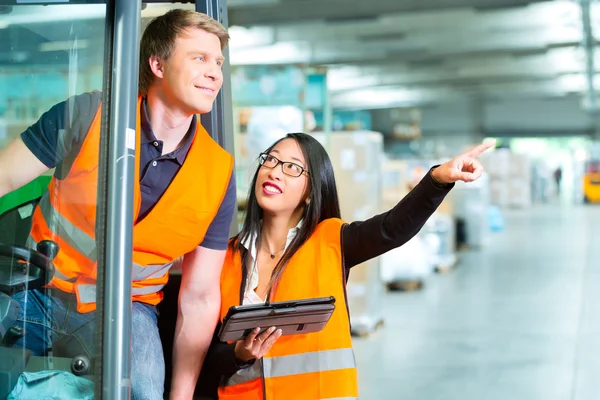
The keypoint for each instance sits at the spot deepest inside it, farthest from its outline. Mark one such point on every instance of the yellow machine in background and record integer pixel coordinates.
(591, 182)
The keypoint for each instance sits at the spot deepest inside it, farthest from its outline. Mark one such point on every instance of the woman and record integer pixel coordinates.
(293, 245)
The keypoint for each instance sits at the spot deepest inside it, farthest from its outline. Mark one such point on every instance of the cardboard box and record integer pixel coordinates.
(356, 158)
(519, 193)
(499, 193)
(497, 163)
(520, 167)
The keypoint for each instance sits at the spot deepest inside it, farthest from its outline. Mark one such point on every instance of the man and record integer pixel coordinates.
(558, 179)
(184, 203)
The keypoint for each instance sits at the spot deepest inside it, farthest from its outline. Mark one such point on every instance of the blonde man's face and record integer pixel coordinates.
(192, 76)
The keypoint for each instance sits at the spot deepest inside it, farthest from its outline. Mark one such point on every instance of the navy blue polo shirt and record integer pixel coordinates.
(56, 138)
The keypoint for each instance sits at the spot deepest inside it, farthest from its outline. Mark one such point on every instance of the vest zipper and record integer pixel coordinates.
(262, 377)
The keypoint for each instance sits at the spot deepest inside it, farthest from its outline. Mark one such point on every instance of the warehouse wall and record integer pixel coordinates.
(460, 123)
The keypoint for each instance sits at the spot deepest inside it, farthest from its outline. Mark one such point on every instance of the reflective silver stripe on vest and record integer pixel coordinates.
(147, 289)
(152, 271)
(31, 242)
(86, 245)
(87, 293)
(139, 272)
(304, 363)
(339, 398)
(74, 236)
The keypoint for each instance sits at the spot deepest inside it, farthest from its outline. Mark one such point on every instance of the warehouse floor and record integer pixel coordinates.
(518, 320)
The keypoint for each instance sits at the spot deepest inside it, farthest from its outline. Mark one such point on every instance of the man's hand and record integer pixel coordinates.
(464, 168)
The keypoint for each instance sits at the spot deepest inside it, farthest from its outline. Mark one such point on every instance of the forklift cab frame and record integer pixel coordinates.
(122, 35)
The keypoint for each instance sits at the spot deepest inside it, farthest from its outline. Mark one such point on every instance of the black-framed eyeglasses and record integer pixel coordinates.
(288, 168)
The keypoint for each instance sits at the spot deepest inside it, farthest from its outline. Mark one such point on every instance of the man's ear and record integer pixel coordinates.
(156, 66)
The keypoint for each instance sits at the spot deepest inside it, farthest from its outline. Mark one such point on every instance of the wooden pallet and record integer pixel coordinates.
(447, 264)
(464, 247)
(405, 286)
(446, 269)
(365, 332)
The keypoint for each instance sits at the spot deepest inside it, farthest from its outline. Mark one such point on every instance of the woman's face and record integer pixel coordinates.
(278, 192)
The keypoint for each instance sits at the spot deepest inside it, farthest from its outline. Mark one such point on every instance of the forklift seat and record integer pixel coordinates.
(15, 223)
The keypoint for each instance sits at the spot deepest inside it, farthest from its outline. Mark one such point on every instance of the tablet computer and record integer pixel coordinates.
(292, 317)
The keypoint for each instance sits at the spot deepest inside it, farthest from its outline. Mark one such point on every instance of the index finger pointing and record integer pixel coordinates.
(481, 148)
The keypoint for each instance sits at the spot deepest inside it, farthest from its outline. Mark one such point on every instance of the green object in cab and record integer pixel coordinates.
(32, 190)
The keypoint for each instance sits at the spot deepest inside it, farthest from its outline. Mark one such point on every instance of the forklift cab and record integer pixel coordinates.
(89, 46)
(20, 269)
(23, 268)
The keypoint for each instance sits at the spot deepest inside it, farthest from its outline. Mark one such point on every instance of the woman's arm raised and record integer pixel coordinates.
(363, 240)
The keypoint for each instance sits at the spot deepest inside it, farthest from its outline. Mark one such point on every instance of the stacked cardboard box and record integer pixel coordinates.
(395, 182)
(356, 161)
(510, 178)
(519, 187)
(438, 234)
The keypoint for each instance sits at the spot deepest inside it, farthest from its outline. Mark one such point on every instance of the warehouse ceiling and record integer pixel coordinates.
(381, 52)
(378, 52)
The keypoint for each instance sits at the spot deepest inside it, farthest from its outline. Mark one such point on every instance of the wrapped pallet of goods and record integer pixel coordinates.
(439, 233)
(471, 204)
(406, 267)
(520, 181)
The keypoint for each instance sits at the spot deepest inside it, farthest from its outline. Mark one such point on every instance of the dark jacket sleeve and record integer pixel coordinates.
(220, 362)
(221, 357)
(363, 240)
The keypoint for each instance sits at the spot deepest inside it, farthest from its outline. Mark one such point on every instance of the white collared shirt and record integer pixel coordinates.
(250, 296)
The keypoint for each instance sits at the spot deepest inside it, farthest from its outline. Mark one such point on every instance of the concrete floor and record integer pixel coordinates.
(518, 320)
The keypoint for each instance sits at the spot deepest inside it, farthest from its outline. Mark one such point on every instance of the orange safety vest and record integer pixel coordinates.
(312, 366)
(175, 226)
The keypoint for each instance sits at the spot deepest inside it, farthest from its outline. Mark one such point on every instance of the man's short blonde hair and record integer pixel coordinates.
(162, 32)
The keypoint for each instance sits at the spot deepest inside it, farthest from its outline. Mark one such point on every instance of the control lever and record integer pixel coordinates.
(35, 271)
(13, 334)
(48, 248)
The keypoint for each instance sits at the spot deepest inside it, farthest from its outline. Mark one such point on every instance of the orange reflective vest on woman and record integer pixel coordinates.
(311, 366)
(175, 226)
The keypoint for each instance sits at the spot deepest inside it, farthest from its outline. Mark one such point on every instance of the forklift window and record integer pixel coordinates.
(52, 52)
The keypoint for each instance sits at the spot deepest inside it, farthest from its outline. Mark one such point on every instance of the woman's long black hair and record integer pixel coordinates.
(324, 202)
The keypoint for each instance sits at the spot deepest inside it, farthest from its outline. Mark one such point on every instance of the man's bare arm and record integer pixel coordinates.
(199, 306)
(18, 166)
